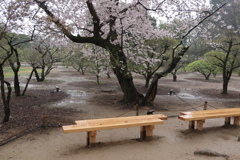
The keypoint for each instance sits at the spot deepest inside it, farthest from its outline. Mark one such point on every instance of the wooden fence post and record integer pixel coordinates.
(205, 105)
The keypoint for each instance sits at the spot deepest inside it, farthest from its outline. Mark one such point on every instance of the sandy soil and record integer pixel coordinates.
(172, 140)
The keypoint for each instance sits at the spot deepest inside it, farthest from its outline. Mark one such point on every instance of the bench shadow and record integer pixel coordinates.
(206, 130)
(79, 148)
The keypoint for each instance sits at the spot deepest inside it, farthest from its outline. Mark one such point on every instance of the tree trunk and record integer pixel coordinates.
(108, 75)
(174, 78)
(152, 91)
(131, 95)
(30, 77)
(124, 76)
(147, 82)
(225, 88)
(98, 82)
(38, 78)
(16, 84)
(6, 100)
(207, 76)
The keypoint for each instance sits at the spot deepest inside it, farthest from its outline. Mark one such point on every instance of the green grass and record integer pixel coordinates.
(23, 71)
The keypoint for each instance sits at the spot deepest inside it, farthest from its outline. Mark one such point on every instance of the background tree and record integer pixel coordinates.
(5, 95)
(78, 60)
(226, 62)
(224, 35)
(12, 20)
(12, 45)
(99, 61)
(202, 66)
(41, 58)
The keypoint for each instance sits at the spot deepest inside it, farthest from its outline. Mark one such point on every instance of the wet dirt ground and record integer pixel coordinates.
(82, 98)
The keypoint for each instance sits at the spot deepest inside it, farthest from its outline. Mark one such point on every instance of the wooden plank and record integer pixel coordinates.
(194, 117)
(111, 123)
(227, 110)
(79, 128)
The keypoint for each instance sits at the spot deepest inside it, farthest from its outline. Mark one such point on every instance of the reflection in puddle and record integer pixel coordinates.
(187, 96)
(75, 96)
(76, 93)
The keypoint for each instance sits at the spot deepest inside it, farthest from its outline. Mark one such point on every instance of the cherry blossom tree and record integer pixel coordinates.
(223, 34)
(112, 24)
(42, 57)
(76, 57)
(99, 61)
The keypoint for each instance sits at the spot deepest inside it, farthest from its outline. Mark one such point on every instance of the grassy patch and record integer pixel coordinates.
(23, 71)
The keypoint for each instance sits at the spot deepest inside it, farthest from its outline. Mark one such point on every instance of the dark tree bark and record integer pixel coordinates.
(15, 69)
(30, 77)
(5, 98)
(175, 77)
(40, 78)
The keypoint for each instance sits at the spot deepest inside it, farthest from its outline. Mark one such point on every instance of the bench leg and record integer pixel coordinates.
(91, 138)
(227, 121)
(149, 132)
(143, 130)
(200, 124)
(146, 132)
(236, 121)
(191, 125)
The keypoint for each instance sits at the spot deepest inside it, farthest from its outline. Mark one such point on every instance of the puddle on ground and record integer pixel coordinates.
(75, 97)
(187, 96)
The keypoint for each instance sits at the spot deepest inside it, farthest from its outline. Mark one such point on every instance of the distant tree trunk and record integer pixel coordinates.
(38, 78)
(226, 78)
(17, 88)
(147, 81)
(15, 65)
(174, 78)
(108, 75)
(174, 73)
(225, 88)
(98, 82)
(207, 76)
(5, 99)
(30, 77)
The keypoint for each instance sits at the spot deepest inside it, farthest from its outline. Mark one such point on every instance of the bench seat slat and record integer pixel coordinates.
(193, 117)
(79, 128)
(217, 111)
(111, 123)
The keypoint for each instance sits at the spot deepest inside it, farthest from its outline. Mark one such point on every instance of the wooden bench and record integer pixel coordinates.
(146, 123)
(201, 116)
